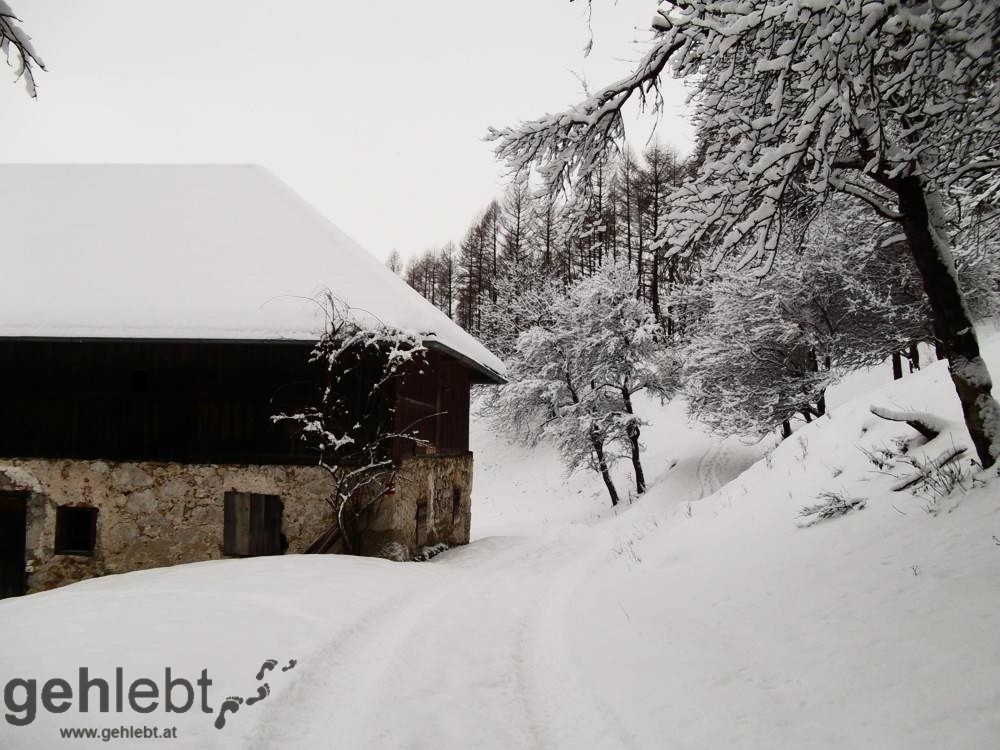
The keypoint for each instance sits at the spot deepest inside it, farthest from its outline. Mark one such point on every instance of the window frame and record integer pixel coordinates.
(60, 543)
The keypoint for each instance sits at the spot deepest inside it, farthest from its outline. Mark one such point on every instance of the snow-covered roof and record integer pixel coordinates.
(220, 252)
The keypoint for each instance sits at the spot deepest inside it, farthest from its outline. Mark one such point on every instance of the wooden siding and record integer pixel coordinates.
(198, 401)
(433, 402)
(195, 402)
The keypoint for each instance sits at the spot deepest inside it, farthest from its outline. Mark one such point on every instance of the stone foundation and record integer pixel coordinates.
(157, 514)
(433, 480)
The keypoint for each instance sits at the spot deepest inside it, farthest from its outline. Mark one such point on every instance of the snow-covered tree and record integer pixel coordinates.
(750, 367)
(525, 295)
(17, 47)
(765, 349)
(895, 103)
(395, 263)
(621, 346)
(574, 373)
(549, 396)
(351, 427)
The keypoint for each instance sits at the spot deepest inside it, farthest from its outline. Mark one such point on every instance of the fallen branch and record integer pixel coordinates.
(925, 470)
(926, 424)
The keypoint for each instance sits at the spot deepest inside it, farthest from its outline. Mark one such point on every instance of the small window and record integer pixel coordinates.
(252, 525)
(421, 523)
(76, 530)
(456, 506)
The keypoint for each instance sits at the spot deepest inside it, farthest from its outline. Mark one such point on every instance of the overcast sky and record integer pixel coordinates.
(372, 111)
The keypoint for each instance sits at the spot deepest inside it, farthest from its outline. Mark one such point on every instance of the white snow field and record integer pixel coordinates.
(702, 616)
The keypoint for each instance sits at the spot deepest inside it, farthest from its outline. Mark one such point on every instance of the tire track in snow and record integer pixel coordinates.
(564, 708)
(315, 694)
(473, 653)
(367, 678)
(708, 470)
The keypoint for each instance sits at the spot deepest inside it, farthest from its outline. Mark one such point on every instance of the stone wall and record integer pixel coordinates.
(152, 514)
(156, 514)
(444, 483)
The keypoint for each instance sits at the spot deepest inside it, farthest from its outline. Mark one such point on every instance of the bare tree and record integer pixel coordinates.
(352, 427)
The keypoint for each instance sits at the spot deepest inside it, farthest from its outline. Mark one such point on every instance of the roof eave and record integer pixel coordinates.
(489, 375)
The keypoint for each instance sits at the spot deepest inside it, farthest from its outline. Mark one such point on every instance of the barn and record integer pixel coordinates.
(153, 320)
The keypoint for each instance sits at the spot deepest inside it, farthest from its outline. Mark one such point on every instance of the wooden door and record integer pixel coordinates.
(13, 526)
(252, 525)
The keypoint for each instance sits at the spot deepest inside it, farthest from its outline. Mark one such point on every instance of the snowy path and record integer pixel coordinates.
(478, 649)
(474, 655)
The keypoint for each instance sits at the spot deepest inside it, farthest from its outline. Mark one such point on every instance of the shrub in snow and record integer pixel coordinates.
(881, 458)
(832, 505)
(935, 479)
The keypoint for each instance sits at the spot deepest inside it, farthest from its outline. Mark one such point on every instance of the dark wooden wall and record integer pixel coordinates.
(197, 402)
(435, 405)
(190, 401)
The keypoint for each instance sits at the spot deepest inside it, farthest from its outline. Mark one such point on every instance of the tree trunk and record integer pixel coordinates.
(897, 366)
(602, 465)
(923, 225)
(655, 286)
(914, 356)
(638, 256)
(633, 438)
(786, 429)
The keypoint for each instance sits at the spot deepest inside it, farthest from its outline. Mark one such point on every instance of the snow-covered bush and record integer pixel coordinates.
(938, 478)
(351, 427)
(832, 505)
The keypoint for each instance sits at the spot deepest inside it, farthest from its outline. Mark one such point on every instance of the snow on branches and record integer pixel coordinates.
(764, 350)
(352, 424)
(895, 103)
(574, 374)
(18, 49)
(803, 98)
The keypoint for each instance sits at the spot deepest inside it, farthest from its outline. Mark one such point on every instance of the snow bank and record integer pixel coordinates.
(734, 628)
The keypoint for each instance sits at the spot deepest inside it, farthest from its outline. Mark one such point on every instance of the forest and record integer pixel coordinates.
(752, 352)
(838, 208)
